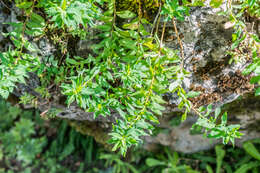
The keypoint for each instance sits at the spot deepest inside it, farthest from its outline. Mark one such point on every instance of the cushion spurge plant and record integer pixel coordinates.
(128, 69)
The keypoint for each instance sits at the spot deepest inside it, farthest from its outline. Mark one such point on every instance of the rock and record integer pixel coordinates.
(206, 41)
(46, 48)
(180, 138)
(5, 16)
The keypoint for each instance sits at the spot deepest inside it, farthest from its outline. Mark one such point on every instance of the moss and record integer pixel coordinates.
(148, 7)
(92, 129)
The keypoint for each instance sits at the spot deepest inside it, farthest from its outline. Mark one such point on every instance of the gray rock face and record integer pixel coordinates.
(9, 13)
(206, 41)
(5, 16)
(244, 111)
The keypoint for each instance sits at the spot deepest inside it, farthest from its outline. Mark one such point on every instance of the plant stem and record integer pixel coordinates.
(179, 41)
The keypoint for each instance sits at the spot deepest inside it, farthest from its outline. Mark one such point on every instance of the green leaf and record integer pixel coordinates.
(209, 109)
(70, 100)
(184, 116)
(121, 112)
(250, 149)
(71, 61)
(1, 153)
(174, 85)
(192, 94)
(209, 169)
(38, 18)
(116, 145)
(63, 4)
(126, 14)
(250, 68)
(255, 79)
(106, 27)
(257, 70)
(132, 26)
(151, 162)
(248, 166)
(220, 156)
(217, 112)
(30, 47)
(257, 91)
(198, 2)
(251, 2)
(24, 4)
(4, 93)
(228, 168)
(201, 109)
(224, 119)
(204, 123)
(215, 134)
(216, 3)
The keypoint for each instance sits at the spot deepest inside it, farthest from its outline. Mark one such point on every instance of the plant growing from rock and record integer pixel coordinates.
(128, 70)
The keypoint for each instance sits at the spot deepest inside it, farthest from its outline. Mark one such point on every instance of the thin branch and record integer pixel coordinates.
(114, 16)
(150, 90)
(157, 25)
(5, 5)
(139, 14)
(156, 18)
(163, 31)
(179, 41)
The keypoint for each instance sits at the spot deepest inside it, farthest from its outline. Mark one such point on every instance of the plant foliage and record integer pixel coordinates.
(28, 144)
(128, 69)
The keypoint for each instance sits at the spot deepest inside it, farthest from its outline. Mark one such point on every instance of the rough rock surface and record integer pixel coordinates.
(206, 41)
(244, 111)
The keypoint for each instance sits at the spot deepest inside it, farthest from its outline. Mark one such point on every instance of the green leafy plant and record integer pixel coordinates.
(172, 9)
(125, 77)
(28, 99)
(10, 113)
(26, 144)
(227, 133)
(17, 142)
(71, 14)
(169, 164)
(49, 70)
(117, 164)
(23, 138)
(127, 71)
(254, 67)
(247, 159)
(14, 64)
(220, 152)
(214, 130)
(12, 71)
